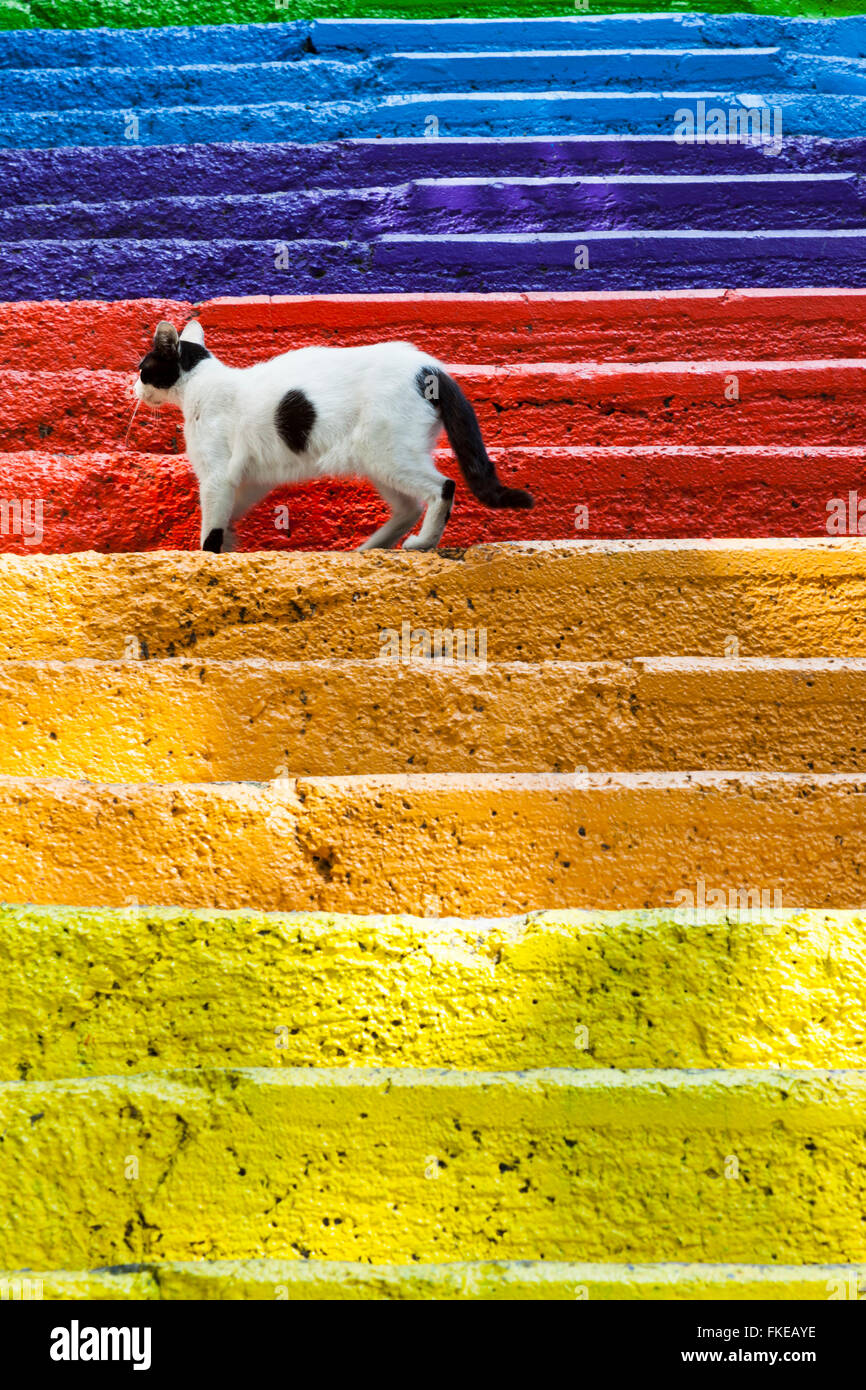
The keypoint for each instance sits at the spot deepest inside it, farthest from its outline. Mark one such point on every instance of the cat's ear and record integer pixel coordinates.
(193, 333)
(165, 339)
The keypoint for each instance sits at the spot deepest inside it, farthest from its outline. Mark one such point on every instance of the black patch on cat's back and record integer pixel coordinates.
(294, 420)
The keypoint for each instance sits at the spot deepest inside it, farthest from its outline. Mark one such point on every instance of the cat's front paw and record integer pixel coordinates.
(416, 543)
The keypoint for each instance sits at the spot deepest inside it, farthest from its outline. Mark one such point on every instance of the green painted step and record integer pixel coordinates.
(137, 14)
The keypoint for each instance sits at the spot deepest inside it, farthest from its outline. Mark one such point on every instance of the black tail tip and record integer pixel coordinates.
(516, 498)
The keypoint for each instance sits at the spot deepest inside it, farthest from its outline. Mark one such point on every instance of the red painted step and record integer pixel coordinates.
(749, 325)
(618, 410)
(557, 403)
(135, 501)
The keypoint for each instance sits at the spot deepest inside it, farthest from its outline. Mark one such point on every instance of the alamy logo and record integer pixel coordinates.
(747, 905)
(75, 1343)
(746, 124)
(22, 519)
(445, 645)
(22, 1290)
(846, 516)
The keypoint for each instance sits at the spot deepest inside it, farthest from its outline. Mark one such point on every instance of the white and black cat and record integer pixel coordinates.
(370, 411)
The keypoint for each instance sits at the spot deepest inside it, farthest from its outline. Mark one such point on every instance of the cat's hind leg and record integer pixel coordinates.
(405, 511)
(440, 500)
(248, 496)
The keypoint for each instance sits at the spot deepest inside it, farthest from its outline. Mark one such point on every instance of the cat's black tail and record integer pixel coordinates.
(464, 436)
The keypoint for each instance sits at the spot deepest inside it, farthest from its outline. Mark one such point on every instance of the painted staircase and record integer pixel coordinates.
(338, 971)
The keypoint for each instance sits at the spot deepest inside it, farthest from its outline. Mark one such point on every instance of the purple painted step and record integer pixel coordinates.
(768, 231)
(548, 204)
(96, 174)
(611, 261)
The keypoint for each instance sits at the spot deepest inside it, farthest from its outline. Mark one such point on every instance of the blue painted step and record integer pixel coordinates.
(234, 43)
(845, 36)
(417, 114)
(323, 80)
(333, 80)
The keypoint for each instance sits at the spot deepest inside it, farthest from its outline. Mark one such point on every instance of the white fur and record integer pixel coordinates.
(371, 421)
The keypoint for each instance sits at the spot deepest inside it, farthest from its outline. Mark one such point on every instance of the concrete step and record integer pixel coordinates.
(310, 78)
(114, 992)
(138, 499)
(457, 1280)
(491, 112)
(522, 403)
(227, 721)
(98, 173)
(421, 1165)
(397, 262)
(666, 234)
(130, 501)
(198, 38)
(715, 24)
(464, 204)
(307, 78)
(435, 843)
(716, 325)
(540, 601)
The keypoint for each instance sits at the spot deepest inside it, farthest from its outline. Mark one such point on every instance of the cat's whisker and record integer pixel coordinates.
(129, 426)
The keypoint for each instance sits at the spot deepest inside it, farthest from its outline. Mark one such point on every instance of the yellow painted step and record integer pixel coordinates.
(301, 1280)
(213, 720)
(437, 844)
(402, 1166)
(93, 991)
(540, 601)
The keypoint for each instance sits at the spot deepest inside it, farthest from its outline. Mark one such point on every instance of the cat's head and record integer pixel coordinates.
(171, 358)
